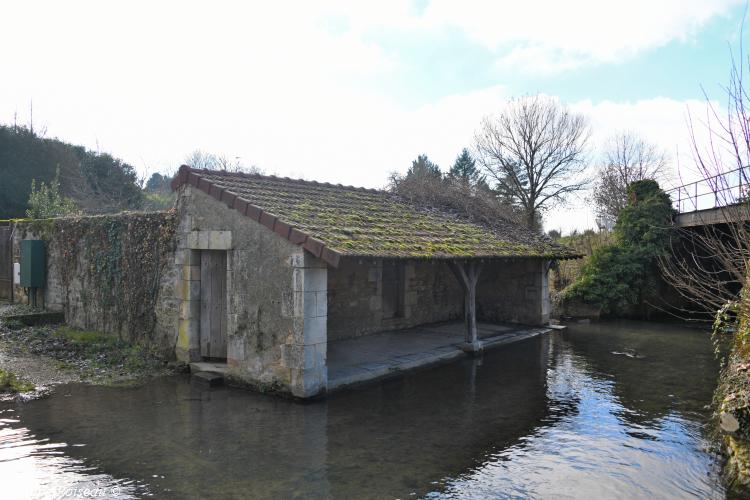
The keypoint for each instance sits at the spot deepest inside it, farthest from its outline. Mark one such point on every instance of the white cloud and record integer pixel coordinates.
(151, 81)
(550, 35)
(662, 121)
(540, 60)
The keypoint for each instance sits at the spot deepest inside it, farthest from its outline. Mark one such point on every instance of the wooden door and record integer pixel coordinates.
(6, 263)
(392, 288)
(214, 304)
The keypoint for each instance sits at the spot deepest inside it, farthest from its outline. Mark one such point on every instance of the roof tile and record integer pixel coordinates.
(333, 221)
(267, 220)
(253, 212)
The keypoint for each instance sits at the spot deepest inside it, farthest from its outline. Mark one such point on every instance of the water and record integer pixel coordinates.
(600, 411)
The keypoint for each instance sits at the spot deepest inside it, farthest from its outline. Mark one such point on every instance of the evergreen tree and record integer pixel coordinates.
(423, 168)
(510, 189)
(157, 183)
(465, 169)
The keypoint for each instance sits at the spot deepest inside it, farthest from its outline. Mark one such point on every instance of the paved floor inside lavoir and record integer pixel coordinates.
(378, 355)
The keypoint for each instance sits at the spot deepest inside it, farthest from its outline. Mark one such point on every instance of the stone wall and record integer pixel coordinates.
(514, 291)
(276, 298)
(139, 276)
(508, 291)
(431, 294)
(112, 273)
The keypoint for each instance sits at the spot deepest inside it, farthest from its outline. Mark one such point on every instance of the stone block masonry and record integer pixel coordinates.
(514, 291)
(508, 291)
(111, 273)
(276, 298)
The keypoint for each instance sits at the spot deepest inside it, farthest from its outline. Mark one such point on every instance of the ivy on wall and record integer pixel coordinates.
(115, 264)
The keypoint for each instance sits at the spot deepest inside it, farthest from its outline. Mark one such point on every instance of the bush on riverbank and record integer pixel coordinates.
(567, 272)
(9, 382)
(622, 278)
(732, 398)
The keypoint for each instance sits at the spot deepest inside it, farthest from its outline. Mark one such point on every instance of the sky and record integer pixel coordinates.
(348, 92)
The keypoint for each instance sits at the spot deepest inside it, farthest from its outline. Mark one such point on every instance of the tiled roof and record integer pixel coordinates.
(334, 221)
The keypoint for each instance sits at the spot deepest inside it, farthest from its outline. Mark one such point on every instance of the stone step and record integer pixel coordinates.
(209, 378)
(207, 366)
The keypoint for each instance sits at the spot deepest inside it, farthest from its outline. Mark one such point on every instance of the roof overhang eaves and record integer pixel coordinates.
(234, 201)
(459, 257)
(296, 236)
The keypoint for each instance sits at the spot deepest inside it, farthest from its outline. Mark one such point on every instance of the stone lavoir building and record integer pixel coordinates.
(273, 273)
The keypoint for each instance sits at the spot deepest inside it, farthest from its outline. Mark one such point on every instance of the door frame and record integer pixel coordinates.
(6, 265)
(216, 305)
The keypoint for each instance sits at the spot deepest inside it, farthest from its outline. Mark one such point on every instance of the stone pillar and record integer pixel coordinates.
(305, 355)
(546, 305)
(537, 292)
(189, 293)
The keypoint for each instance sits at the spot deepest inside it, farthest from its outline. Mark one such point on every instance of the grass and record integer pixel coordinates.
(84, 337)
(92, 356)
(9, 382)
(106, 351)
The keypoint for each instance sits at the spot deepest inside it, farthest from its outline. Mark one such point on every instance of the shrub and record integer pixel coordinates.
(46, 201)
(624, 275)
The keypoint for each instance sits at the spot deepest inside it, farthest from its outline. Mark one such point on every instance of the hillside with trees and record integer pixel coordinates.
(95, 182)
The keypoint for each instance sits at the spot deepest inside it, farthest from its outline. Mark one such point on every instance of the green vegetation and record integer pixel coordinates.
(465, 169)
(96, 182)
(107, 351)
(91, 355)
(567, 272)
(120, 259)
(622, 278)
(732, 397)
(9, 382)
(156, 202)
(84, 337)
(46, 201)
(424, 167)
(157, 194)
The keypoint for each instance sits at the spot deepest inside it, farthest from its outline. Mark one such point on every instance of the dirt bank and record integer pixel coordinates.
(50, 355)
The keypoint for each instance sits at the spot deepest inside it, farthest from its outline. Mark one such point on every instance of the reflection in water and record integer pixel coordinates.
(559, 415)
(40, 468)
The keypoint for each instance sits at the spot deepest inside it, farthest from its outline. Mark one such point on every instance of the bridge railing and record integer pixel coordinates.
(720, 190)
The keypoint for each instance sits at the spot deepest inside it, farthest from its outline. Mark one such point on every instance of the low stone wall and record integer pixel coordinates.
(112, 273)
(575, 308)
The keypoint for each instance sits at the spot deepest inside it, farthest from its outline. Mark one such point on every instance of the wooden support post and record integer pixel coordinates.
(468, 275)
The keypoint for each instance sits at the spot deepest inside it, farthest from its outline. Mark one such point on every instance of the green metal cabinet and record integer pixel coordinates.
(33, 264)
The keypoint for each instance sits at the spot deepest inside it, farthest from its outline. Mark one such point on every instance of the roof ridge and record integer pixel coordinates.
(226, 173)
(239, 195)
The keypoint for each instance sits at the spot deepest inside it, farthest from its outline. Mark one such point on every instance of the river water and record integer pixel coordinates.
(610, 410)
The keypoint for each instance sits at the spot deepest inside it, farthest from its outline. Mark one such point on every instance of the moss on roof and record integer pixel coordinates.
(364, 222)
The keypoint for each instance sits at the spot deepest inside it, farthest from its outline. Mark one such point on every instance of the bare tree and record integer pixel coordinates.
(211, 161)
(535, 152)
(709, 263)
(202, 159)
(627, 158)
